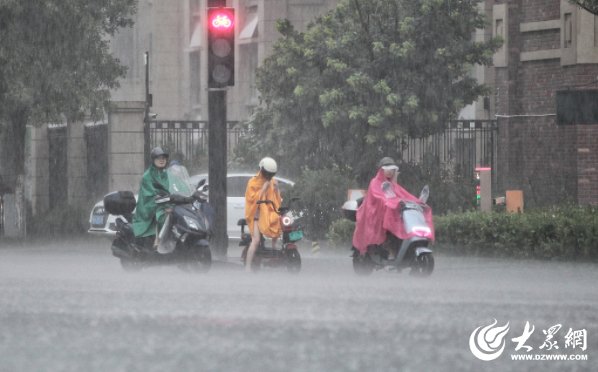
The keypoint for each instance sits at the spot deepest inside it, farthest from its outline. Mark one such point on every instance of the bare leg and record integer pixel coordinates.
(255, 241)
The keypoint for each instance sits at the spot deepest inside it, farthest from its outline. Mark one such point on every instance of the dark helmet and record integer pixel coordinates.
(158, 151)
(387, 163)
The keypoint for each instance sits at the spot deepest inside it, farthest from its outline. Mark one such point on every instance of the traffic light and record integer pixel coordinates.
(221, 47)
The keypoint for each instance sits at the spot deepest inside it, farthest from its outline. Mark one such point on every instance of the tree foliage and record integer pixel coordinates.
(589, 5)
(55, 61)
(360, 78)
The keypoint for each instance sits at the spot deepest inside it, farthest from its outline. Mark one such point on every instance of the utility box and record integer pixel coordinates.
(514, 201)
(483, 182)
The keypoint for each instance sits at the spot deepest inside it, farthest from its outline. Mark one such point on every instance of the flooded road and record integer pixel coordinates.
(70, 307)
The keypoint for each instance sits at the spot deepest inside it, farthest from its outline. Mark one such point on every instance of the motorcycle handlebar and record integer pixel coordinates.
(281, 210)
(173, 198)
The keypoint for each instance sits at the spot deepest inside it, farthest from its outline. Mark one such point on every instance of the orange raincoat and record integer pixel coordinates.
(269, 221)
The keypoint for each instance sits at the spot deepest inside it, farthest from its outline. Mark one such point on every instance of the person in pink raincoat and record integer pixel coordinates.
(380, 213)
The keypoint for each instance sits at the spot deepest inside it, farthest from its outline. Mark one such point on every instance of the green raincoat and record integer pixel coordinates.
(147, 211)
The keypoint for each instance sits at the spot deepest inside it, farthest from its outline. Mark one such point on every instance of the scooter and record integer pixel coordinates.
(287, 255)
(183, 239)
(413, 253)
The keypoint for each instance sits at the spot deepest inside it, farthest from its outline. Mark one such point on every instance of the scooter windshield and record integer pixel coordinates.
(179, 180)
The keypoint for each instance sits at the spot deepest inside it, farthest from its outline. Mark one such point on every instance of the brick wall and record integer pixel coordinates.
(539, 10)
(541, 40)
(552, 164)
(540, 158)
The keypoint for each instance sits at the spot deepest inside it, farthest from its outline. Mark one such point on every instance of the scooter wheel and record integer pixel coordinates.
(423, 265)
(362, 264)
(130, 265)
(198, 259)
(293, 261)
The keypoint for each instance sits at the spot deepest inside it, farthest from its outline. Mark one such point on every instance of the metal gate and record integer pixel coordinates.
(465, 144)
(187, 140)
(96, 141)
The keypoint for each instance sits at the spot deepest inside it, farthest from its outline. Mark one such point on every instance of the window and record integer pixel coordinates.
(249, 54)
(568, 31)
(236, 186)
(194, 76)
(498, 28)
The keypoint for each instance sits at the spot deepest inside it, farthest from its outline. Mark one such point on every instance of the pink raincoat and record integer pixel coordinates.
(380, 213)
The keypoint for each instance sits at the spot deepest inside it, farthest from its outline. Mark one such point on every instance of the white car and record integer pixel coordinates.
(103, 223)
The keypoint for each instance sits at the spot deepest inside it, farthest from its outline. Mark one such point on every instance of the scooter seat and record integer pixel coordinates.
(242, 222)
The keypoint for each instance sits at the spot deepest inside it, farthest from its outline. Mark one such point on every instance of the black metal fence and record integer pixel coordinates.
(466, 144)
(96, 141)
(188, 140)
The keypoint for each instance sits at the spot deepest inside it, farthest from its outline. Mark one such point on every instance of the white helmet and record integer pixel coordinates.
(268, 164)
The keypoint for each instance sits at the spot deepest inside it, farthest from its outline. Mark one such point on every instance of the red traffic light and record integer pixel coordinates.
(221, 47)
(221, 19)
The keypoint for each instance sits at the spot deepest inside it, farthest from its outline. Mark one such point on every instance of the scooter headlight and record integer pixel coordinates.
(422, 231)
(191, 223)
(287, 221)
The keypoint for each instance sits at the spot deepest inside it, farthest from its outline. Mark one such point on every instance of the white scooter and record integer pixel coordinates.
(413, 253)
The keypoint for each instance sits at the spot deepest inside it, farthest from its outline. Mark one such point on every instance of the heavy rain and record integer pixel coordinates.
(298, 185)
(69, 306)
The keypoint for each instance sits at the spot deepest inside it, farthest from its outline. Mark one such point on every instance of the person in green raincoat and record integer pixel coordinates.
(148, 215)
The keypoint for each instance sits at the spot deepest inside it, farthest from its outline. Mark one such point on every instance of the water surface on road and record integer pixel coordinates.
(69, 306)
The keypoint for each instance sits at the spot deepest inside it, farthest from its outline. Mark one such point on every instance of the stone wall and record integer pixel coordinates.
(37, 172)
(126, 159)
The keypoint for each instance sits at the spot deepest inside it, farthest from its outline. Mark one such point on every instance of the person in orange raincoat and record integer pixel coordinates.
(262, 219)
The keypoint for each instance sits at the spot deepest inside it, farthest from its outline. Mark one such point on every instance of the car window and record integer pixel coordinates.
(236, 186)
(284, 187)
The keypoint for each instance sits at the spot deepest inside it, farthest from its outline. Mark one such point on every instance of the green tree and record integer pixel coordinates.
(344, 92)
(589, 5)
(55, 63)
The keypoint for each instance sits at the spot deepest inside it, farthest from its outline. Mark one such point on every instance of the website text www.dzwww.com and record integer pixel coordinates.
(549, 357)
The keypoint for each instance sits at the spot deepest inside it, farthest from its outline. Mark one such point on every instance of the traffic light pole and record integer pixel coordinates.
(221, 72)
(217, 135)
(146, 134)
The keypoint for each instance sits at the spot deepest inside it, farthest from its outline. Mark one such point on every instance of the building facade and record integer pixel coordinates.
(549, 46)
(175, 34)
